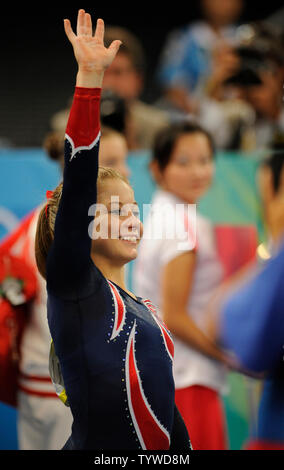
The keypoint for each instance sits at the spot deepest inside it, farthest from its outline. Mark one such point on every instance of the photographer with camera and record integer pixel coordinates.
(255, 108)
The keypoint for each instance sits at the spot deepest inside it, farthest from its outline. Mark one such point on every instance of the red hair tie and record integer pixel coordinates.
(49, 195)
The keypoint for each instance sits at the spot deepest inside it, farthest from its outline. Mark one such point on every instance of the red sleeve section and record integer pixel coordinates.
(83, 127)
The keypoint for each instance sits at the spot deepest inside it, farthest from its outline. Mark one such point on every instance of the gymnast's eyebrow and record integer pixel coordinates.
(112, 203)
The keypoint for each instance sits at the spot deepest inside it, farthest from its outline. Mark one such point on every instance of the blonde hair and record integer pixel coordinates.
(46, 221)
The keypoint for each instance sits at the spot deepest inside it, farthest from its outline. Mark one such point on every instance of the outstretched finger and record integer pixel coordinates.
(100, 31)
(88, 25)
(81, 22)
(114, 47)
(69, 31)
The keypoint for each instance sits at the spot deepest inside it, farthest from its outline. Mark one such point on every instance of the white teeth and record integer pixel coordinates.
(129, 239)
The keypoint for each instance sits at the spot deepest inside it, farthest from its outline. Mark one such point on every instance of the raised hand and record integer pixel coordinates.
(89, 50)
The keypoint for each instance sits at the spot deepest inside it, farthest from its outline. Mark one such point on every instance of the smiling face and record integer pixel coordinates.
(119, 225)
(190, 170)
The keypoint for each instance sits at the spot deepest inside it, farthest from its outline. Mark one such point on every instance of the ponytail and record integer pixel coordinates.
(45, 229)
(43, 240)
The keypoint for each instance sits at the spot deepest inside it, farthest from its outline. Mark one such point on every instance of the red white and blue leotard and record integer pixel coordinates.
(115, 355)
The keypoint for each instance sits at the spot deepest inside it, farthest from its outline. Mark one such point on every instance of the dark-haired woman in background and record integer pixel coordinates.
(179, 276)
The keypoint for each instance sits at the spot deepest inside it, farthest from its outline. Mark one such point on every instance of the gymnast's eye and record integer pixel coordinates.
(115, 211)
(125, 211)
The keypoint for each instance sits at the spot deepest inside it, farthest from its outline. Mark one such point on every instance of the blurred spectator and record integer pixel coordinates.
(194, 65)
(43, 423)
(125, 77)
(186, 61)
(258, 82)
(179, 275)
(251, 312)
(113, 151)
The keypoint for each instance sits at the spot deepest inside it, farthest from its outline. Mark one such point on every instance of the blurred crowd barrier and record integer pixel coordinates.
(232, 204)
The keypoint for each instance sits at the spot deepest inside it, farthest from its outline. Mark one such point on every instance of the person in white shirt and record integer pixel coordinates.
(178, 269)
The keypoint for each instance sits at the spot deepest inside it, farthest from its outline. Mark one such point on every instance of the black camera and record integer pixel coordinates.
(258, 50)
(249, 71)
(113, 111)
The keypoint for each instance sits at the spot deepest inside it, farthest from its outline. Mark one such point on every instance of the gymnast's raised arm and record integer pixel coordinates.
(68, 259)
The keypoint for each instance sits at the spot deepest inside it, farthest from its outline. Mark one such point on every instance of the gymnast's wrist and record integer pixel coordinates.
(89, 78)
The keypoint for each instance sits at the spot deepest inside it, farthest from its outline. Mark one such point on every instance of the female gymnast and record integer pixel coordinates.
(115, 355)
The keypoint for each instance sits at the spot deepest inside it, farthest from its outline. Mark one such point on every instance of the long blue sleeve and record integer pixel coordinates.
(70, 269)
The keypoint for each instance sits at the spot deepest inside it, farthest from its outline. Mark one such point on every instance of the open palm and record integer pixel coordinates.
(89, 49)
